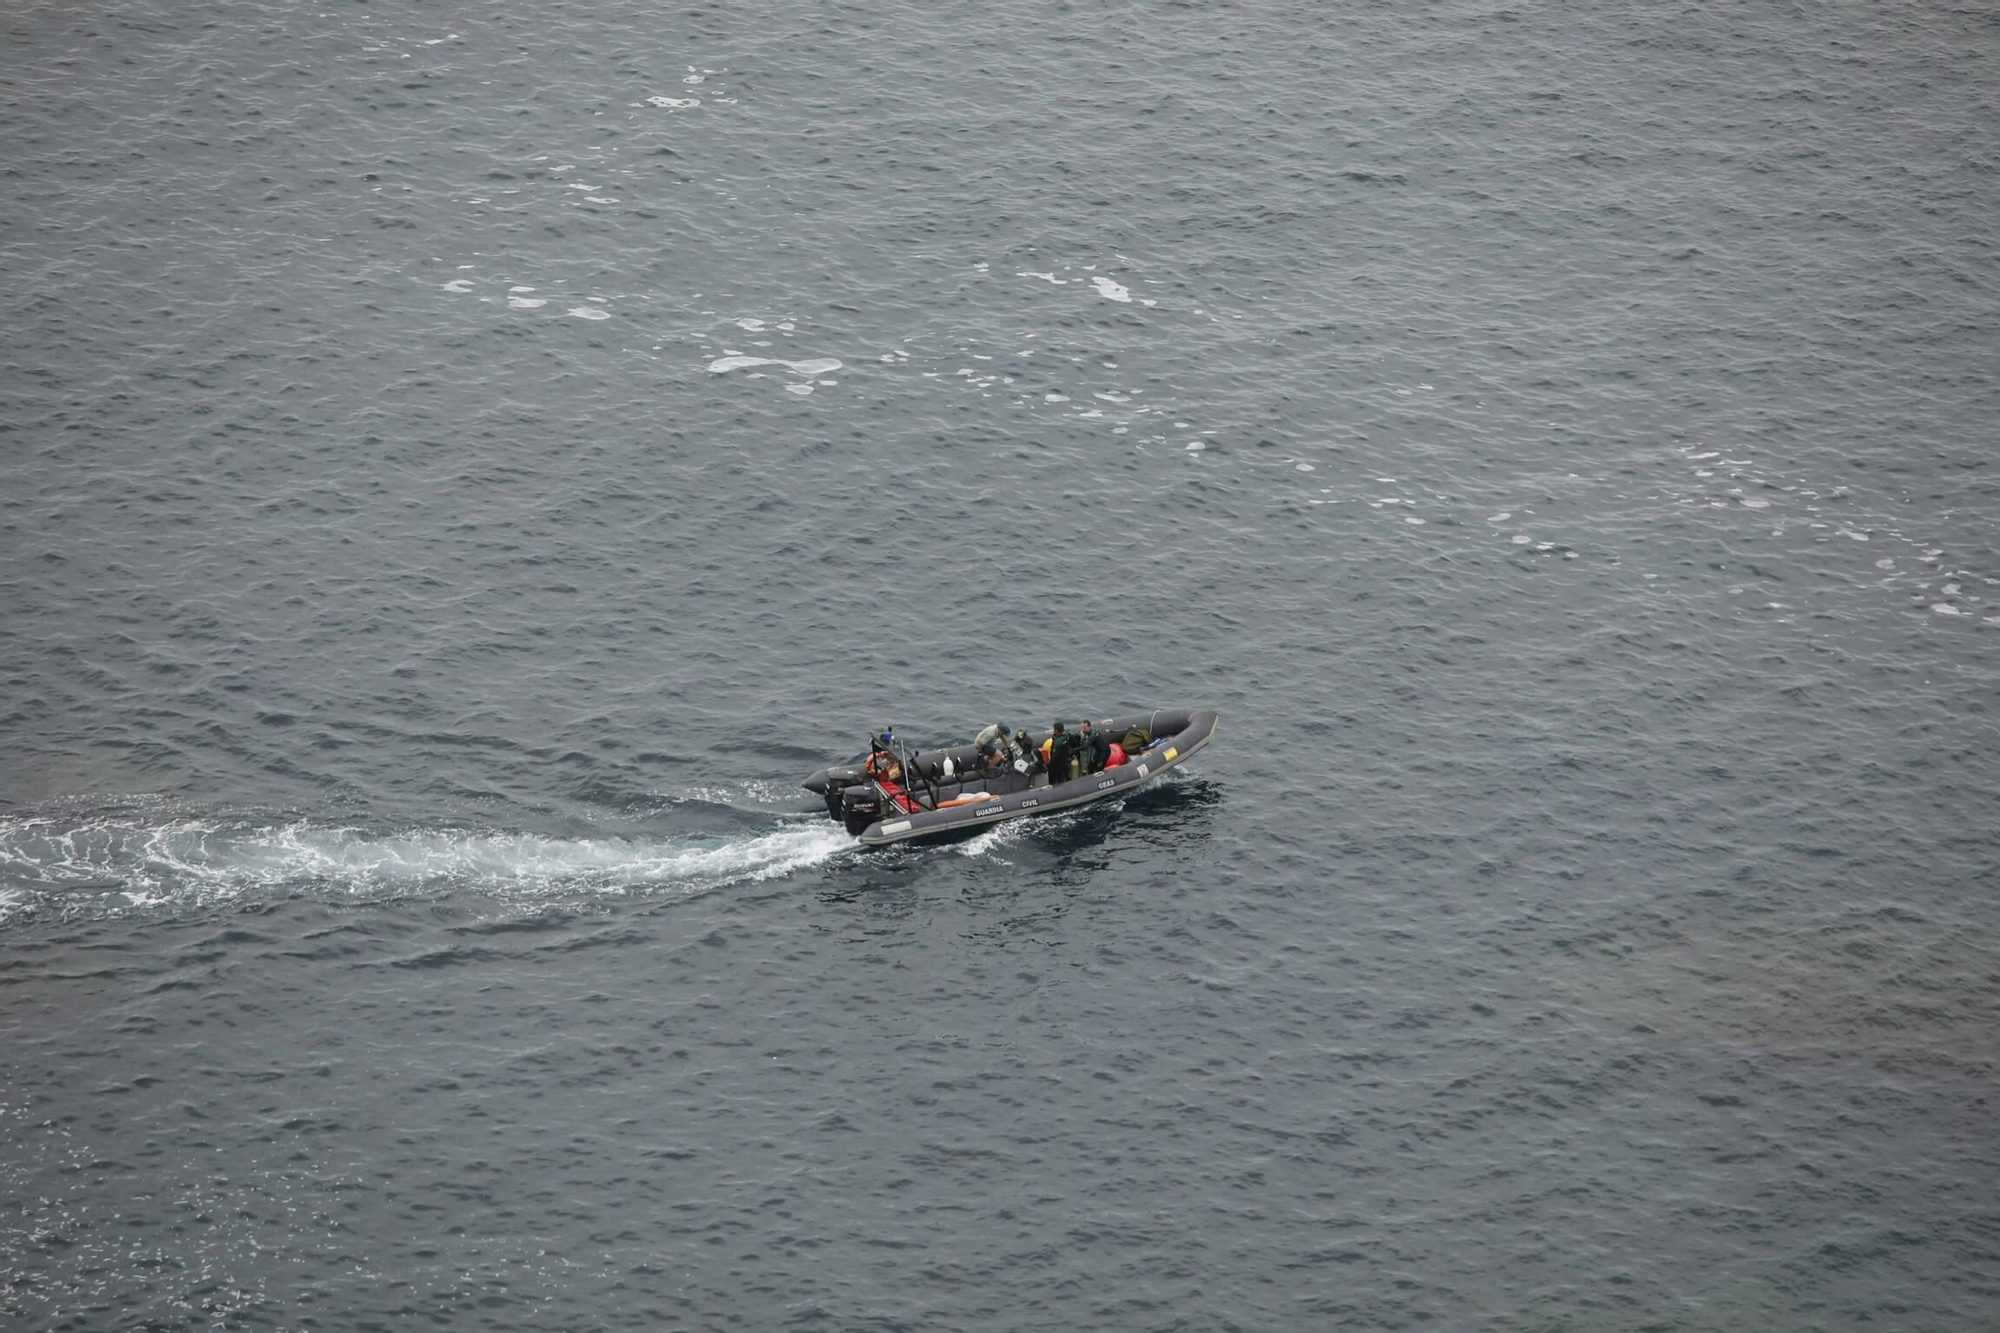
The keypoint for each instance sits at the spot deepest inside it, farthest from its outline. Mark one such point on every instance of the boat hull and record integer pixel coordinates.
(1184, 731)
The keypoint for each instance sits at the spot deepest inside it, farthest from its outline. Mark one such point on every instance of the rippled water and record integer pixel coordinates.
(461, 470)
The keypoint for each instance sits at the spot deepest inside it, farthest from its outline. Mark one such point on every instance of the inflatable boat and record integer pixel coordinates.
(897, 795)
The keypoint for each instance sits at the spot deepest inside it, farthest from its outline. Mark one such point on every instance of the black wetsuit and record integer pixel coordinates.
(1061, 753)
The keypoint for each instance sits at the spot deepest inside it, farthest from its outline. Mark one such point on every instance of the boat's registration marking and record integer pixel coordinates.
(899, 826)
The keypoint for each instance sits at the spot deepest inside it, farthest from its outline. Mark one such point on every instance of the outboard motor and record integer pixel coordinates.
(861, 807)
(831, 784)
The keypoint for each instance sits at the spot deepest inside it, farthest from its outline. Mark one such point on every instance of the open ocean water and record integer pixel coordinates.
(461, 466)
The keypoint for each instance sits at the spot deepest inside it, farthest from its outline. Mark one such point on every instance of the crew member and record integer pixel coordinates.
(883, 765)
(1063, 747)
(1096, 748)
(992, 743)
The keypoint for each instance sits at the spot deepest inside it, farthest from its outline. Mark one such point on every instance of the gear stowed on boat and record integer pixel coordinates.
(896, 794)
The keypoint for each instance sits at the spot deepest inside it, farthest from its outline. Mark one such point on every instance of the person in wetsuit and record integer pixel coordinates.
(1063, 750)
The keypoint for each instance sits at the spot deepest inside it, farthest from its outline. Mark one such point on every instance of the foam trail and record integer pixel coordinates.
(136, 862)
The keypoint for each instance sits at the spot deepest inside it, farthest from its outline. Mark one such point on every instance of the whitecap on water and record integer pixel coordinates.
(722, 365)
(1111, 291)
(588, 312)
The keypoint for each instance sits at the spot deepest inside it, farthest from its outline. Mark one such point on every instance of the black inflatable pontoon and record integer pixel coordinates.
(896, 795)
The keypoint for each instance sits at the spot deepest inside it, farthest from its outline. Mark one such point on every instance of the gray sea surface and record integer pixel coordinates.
(462, 466)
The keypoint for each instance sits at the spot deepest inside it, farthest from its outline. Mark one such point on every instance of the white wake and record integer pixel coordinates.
(136, 861)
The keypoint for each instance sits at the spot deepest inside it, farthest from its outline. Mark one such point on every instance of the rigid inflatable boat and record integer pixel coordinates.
(896, 795)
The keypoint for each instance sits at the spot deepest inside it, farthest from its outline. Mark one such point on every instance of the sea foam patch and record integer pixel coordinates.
(1109, 288)
(722, 365)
